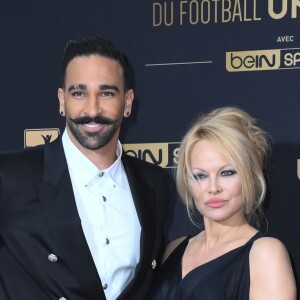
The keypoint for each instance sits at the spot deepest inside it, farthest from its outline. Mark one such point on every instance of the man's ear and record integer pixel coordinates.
(129, 96)
(61, 98)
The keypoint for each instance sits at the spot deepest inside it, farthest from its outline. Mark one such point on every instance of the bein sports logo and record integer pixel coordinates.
(162, 154)
(263, 60)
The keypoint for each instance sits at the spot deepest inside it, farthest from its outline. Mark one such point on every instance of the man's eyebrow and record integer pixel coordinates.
(108, 87)
(78, 86)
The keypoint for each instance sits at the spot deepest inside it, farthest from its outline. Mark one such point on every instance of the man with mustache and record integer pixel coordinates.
(79, 218)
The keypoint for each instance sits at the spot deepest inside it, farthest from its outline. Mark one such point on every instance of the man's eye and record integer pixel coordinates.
(77, 94)
(199, 176)
(226, 173)
(107, 94)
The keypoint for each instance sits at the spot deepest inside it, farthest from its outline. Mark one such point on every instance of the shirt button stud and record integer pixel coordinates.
(105, 286)
(101, 174)
(52, 257)
(153, 264)
(107, 241)
(104, 198)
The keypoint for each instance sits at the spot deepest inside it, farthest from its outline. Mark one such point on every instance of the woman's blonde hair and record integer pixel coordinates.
(245, 145)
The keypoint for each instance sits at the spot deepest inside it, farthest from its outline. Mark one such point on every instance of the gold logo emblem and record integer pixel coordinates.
(34, 137)
(263, 60)
(259, 60)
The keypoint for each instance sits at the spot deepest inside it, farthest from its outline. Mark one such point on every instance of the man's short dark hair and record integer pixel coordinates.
(94, 46)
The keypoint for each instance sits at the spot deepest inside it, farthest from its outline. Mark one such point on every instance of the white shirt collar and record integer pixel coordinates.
(79, 164)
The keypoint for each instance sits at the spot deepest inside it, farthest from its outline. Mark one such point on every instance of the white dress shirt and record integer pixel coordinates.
(108, 217)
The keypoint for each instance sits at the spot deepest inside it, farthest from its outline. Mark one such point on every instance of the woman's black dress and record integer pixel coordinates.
(226, 277)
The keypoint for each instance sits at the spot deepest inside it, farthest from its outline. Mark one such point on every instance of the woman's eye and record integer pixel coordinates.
(226, 173)
(199, 176)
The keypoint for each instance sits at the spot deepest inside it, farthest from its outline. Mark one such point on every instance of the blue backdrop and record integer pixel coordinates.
(188, 57)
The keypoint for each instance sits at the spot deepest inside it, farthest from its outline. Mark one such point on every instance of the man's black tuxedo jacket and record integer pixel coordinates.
(38, 217)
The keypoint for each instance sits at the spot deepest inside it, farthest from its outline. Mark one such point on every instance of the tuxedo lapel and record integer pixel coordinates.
(142, 196)
(60, 212)
(144, 200)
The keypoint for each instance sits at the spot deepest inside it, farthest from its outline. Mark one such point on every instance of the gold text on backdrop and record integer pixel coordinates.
(285, 39)
(161, 154)
(193, 12)
(295, 4)
(263, 60)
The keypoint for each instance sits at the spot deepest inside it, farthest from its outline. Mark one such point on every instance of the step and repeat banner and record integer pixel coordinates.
(188, 57)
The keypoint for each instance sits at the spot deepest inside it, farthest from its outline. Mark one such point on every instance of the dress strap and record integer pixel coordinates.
(255, 237)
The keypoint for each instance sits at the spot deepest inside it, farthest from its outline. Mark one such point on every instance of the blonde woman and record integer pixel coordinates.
(220, 174)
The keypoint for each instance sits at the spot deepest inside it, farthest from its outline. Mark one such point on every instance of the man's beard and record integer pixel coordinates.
(93, 140)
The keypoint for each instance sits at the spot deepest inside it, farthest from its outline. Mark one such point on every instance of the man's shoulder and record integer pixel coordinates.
(19, 164)
(25, 154)
(20, 154)
(31, 156)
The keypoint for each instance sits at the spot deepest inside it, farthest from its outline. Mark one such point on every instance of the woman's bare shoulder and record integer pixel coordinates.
(271, 271)
(266, 246)
(267, 251)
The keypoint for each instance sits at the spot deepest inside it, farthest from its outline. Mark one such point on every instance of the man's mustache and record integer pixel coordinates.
(97, 119)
